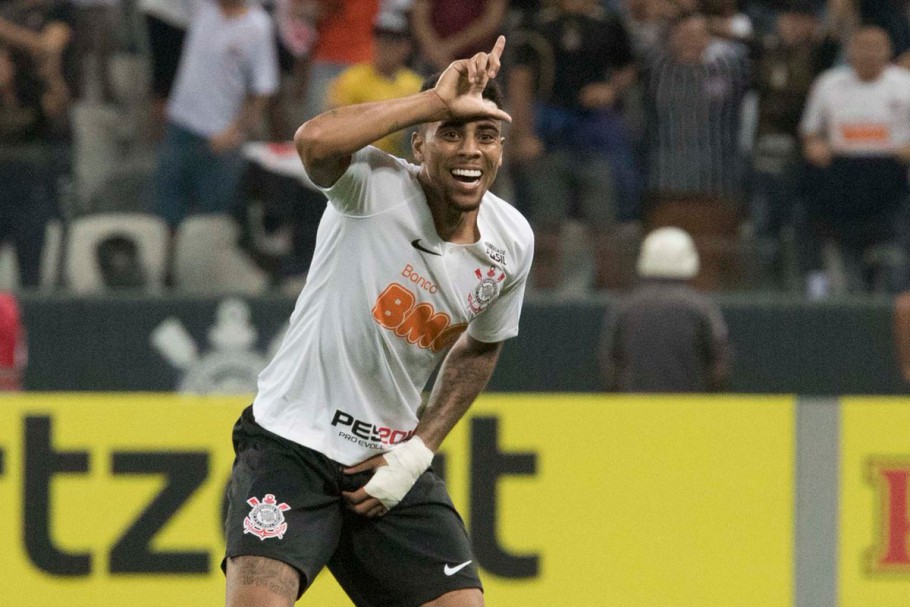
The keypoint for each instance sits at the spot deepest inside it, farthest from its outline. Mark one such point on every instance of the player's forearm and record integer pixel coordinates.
(463, 376)
(342, 131)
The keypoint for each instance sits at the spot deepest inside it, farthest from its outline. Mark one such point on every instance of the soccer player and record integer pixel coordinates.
(414, 265)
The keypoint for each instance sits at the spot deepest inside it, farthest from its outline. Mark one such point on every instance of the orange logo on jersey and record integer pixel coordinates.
(419, 324)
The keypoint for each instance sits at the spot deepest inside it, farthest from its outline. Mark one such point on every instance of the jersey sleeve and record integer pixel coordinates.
(500, 321)
(371, 184)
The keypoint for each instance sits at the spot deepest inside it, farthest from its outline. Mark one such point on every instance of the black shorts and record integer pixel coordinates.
(284, 502)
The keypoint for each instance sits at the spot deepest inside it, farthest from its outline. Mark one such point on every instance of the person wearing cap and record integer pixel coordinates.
(386, 76)
(665, 336)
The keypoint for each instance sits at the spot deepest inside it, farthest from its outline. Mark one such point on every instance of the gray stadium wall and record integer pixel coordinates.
(780, 345)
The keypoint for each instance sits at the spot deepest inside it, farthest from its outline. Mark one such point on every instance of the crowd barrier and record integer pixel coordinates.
(582, 500)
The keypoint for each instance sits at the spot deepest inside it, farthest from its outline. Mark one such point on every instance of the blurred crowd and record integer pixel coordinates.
(144, 143)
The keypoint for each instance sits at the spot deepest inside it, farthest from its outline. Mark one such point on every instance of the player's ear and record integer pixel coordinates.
(417, 143)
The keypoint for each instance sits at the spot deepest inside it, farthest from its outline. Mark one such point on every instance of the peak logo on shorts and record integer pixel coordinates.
(266, 519)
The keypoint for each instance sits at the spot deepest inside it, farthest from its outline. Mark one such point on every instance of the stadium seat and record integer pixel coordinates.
(50, 260)
(150, 234)
(207, 258)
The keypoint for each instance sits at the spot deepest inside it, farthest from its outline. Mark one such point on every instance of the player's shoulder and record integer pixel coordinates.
(507, 220)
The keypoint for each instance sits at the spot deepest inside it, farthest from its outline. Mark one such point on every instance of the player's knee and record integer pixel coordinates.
(468, 597)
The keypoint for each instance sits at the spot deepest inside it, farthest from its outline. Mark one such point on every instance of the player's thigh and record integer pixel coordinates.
(261, 582)
(415, 554)
(281, 502)
(468, 597)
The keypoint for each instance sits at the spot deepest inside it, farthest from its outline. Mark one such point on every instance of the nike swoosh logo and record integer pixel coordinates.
(416, 245)
(453, 570)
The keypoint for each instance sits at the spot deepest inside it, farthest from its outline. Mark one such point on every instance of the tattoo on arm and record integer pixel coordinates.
(274, 576)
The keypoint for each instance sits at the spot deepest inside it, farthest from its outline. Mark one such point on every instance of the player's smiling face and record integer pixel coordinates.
(459, 160)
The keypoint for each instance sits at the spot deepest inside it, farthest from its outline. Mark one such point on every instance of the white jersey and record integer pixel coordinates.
(385, 299)
(860, 118)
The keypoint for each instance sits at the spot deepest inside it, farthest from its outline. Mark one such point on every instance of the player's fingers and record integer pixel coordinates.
(495, 58)
(354, 498)
(501, 115)
(499, 47)
(477, 69)
(373, 462)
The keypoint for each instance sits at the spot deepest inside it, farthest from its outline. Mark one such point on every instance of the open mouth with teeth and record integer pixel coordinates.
(468, 176)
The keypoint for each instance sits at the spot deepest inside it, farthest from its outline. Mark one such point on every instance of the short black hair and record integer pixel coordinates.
(492, 91)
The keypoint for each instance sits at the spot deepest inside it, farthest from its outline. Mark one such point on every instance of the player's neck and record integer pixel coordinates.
(453, 224)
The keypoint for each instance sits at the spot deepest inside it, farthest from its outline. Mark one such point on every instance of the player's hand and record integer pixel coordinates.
(461, 85)
(395, 472)
(360, 501)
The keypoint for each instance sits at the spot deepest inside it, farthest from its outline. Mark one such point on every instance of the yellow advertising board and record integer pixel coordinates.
(578, 500)
(874, 559)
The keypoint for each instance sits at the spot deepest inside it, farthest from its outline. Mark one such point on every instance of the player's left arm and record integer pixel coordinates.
(463, 376)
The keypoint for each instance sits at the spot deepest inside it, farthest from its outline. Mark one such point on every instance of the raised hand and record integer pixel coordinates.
(461, 85)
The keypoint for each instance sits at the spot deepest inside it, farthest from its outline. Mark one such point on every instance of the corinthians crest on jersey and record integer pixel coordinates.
(487, 290)
(266, 519)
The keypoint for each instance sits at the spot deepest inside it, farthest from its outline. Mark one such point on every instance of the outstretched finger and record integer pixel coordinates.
(498, 48)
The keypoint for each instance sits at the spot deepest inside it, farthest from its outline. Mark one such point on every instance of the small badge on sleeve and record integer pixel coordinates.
(266, 519)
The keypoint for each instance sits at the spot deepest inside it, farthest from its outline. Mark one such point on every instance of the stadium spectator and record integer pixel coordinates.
(345, 38)
(445, 30)
(39, 36)
(570, 143)
(33, 129)
(694, 91)
(96, 34)
(227, 72)
(856, 139)
(166, 23)
(787, 62)
(665, 336)
(385, 77)
(296, 27)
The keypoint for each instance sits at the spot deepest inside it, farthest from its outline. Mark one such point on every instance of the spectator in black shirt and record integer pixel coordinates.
(570, 144)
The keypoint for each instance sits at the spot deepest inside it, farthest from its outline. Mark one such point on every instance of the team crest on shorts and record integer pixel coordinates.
(487, 290)
(266, 519)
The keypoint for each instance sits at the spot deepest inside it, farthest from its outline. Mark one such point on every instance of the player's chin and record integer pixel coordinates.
(465, 204)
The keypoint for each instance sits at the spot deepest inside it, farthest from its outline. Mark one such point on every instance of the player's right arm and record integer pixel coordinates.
(326, 142)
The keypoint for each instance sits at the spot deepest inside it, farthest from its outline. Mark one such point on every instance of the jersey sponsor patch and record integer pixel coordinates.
(266, 519)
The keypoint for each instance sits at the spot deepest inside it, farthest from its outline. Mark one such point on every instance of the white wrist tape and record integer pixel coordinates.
(407, 461)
